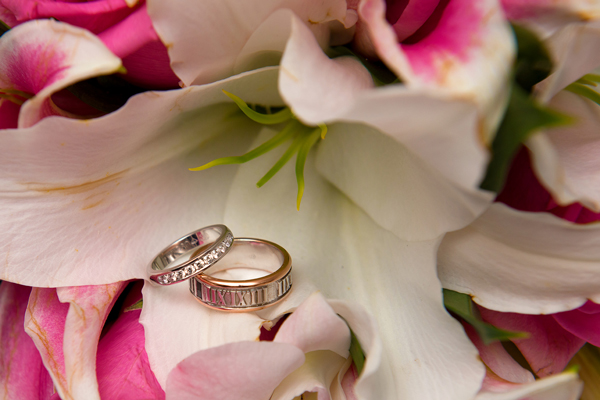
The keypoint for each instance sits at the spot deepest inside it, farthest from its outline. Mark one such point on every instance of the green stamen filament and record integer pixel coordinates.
(579, 87)
(265, 119)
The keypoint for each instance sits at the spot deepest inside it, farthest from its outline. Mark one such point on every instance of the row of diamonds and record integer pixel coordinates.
(196, 266)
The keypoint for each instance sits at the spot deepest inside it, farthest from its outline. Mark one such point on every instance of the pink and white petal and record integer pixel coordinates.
(563, 158)
(205, 41)
(315, 326)
(468, 54)
(548, 349)
(43, 57)
(497, 359)
(342, 387)
(342, 252)
(565, 386)
(450, 143)
(525, 262)
(22, 373)
(118, 188)
(88, 308)
(45, 324)
(176, 326)
(242, 370)
(123, 368)
(316, 375)
(580, 324)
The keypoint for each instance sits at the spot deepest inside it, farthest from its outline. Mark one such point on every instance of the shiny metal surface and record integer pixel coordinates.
(190, 255)
(272, 260)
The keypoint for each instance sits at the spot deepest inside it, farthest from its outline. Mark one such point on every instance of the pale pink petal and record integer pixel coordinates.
(88, 308)
(42, 57)
(229, 25)
(548, 348)
(526, 262)
(583, 325)
(464, 50)
(22, 373)
(565, 386)
(315, 326)
(242, 370)
(316, 375)
(45, 324)
(94, 16)
(497, 359)
(122, 363)
(110, 185)
(144, 57)
(342, 387)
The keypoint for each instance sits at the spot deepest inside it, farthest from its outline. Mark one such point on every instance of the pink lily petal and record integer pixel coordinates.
(464, 49)
(65, 324)
(316, 375)
(497, 359)
(242, 370)
(144, 56)
(564, 386)
(94, 16)
(590, 308)
(45, 324)
(408, 19)
(344, 383)
(549, 347)
(122, 364)
(22, 373)
(315, 326)
(42, 57)
(229, 24)
(9, 114)
(583, 325)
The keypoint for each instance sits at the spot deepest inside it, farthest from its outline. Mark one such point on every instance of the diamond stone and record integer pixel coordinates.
(189, 270)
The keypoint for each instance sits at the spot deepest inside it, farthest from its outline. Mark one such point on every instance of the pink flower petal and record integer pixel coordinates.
(549, 347)
(583, 325)
(315, 326)
(42, 57)
(22, 373)
(234, 371)
(590, 308)
(9, 114)
(122, 363)
(45, 324)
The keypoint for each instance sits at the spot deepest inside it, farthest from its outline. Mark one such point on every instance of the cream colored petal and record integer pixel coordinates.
(95, 201)
(565, 386)
(529, 263)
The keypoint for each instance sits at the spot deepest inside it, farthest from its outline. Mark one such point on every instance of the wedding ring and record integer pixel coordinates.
(210, 245)
(250, 257)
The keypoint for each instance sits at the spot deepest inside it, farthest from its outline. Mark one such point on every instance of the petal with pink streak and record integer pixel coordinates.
(497, 359)
(185, 30)
(88, 308)
(122, 363)
(565, 386)
(42, 57)
(94, 16)
(412, 17)
(45, 324)
(9, 114)
(22, 373)
(144, 56)
(464, 49)
(584, 326)
(342, 386)
(316, 375)
(315, 326)
(241, 370)
(549, 347)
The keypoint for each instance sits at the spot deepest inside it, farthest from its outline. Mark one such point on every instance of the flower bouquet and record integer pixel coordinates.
(423, 175)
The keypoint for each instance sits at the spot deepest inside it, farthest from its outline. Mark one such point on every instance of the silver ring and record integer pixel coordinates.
(254, 255)
(199, 249)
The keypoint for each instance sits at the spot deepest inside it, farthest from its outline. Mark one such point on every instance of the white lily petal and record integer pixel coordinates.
(205, 41)
(314, 326)
(565, 386)
(467, 55)
(316, 374)
(524, 262)
(42, 57)
(341, 251)
(112, 192)
(564, 158)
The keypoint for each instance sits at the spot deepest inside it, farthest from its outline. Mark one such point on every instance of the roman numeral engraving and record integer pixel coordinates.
(221, 298)
(241, 300)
